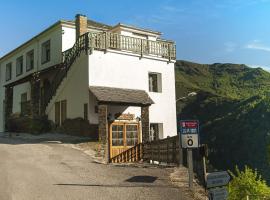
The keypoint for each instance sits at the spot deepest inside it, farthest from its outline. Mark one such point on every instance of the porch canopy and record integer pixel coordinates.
(110, 95)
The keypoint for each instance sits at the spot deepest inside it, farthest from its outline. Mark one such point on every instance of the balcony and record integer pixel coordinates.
(107, 40)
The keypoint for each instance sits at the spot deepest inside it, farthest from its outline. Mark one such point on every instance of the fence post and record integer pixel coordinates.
(247, 197)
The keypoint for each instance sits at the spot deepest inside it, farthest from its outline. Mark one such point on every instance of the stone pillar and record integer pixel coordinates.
(145, 123)
(81, 25)
(8, 104)
(103, 133)
(35, 98)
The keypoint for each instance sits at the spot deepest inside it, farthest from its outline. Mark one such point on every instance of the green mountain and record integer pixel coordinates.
(233, 106)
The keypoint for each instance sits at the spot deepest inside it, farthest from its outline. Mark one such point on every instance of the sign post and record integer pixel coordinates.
(189, 139)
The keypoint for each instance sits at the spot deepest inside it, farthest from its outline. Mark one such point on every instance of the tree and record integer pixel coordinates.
(247, 182)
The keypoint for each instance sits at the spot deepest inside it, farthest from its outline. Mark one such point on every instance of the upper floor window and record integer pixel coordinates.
(155, 82)
(30, 60)
(8, 71)
(19, 66)
(46, 52)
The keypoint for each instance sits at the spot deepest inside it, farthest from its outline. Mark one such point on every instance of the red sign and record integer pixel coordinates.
(189, 124)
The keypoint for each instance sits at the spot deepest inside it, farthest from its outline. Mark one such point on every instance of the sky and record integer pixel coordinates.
(205, 31)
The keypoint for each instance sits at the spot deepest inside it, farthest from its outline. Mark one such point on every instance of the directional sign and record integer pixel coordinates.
(189, 130)
(218, 193)
(217, 179)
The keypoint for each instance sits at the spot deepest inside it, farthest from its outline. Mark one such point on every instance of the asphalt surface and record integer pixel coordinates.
(35, 170)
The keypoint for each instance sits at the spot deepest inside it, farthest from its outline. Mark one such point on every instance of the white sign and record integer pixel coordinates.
(217, 179)
(189, 130)
(218, 193)
(189, 141)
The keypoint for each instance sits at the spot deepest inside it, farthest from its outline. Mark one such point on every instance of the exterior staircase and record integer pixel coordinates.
(103, 41)
(69, 56)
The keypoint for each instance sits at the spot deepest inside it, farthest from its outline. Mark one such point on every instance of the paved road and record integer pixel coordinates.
(45, 170)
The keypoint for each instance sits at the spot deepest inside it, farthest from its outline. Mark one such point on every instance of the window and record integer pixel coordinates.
(25, 105)
(19, 66)
(24, 97)
(30, 60)
(156, 131)
(131, 134)
(118, 135)
(155, 84)
(46, 52)
(8, 71)
(85, 111)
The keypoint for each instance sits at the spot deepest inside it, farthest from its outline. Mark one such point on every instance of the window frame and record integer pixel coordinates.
(45, 56)
(158, 88)
(30, 56)
(9, 65)
(19, 65)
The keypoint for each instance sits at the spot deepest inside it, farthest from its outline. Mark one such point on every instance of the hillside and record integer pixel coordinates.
(233, 106)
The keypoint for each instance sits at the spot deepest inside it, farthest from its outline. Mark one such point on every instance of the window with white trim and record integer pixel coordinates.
(155, 82)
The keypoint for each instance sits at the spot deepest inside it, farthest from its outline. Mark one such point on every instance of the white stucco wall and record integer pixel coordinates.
(127, 71)
(74, 89)
(18, 90)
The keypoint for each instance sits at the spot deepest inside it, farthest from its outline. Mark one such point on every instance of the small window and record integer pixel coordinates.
(46, 52)
(156, 131)
(155, 83)
(19, 66)
(8, 71)
(85, 111)
(25, 105)
(24, 97)
(30, 60)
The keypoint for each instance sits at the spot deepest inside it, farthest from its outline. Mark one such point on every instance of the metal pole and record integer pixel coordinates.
(180, 152)
(190, 168)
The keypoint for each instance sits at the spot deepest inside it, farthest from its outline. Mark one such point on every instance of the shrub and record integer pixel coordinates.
(19, 124)
(247, 182)
(79, 126)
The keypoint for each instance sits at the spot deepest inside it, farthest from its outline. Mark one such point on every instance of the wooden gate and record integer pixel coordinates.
(123, 136)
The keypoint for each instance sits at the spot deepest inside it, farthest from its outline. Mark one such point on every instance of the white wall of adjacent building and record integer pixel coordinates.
(113, 69)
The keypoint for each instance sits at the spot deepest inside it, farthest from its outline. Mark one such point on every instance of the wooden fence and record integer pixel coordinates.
(167, 151)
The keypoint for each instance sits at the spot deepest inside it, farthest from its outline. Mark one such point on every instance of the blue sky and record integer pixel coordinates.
(205, 31)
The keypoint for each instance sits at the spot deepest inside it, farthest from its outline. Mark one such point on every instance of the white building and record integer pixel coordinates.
(118, 78)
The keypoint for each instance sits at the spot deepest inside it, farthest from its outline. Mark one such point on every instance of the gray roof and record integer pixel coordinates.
(121, 96)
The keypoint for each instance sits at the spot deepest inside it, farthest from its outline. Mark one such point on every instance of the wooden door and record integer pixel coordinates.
(122, 137)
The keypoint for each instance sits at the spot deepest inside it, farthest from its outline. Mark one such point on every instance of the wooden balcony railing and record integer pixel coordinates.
(134, 154)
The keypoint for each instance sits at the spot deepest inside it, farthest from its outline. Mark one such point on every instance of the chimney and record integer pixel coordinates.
(81, 25)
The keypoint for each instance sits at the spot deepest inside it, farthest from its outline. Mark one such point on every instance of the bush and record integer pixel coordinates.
(247, 182)
(26, 124)
(79, 126)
